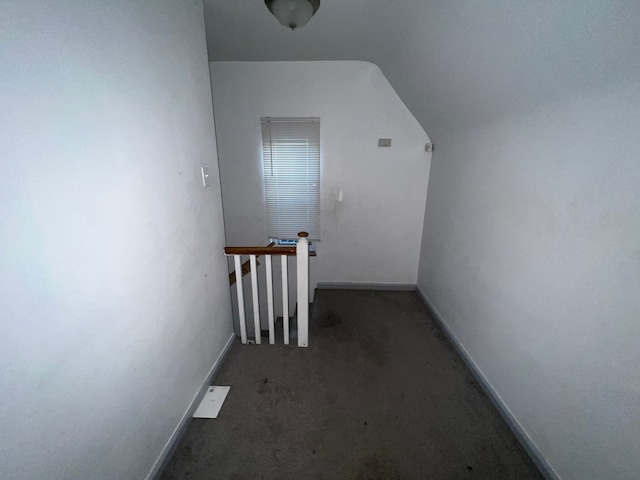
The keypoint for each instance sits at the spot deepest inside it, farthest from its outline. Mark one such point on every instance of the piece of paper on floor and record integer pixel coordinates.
(212, 402)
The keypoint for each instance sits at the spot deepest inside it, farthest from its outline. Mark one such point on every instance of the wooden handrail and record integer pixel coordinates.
(260, 250)
(268, 250)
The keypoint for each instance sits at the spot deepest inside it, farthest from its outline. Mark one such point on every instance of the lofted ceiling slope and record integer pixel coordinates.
(455, 64)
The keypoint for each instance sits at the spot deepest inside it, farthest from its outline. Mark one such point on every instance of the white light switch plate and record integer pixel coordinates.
(206, 179)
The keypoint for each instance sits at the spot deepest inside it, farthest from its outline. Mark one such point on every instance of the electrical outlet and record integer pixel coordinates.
(384, 142)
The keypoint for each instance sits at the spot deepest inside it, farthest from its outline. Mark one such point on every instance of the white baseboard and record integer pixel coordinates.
(525, 440)
(181, 428)
(403, 287)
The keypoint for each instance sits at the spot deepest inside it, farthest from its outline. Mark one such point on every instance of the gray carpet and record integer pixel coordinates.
(379, 394)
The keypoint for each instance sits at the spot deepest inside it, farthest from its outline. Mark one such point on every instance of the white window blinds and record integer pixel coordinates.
(291, 161)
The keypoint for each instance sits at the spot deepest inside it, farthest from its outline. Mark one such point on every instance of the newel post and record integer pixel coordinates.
(302, 260)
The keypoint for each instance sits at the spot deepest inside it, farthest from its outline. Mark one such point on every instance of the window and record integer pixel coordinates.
(291, 163)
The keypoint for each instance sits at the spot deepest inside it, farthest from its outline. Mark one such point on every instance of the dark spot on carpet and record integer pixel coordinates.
(327, 319)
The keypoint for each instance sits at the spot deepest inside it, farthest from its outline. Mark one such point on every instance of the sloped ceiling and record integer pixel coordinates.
(455, 64)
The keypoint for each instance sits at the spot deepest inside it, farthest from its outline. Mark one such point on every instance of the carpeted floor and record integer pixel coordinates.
(379, 394)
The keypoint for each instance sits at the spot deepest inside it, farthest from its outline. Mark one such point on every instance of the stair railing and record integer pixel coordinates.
(301, 252)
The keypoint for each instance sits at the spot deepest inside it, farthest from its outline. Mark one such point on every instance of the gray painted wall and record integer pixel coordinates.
(114, 301)
(531, 255)
(531, 238)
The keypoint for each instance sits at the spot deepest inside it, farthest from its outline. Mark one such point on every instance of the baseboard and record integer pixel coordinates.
(525, 440)
(181, 428)
(403, 287)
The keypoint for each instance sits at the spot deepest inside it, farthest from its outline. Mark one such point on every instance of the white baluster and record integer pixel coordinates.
(285, 299)
(240, 292)
(302, 260)
(272, 332)
(254, 292)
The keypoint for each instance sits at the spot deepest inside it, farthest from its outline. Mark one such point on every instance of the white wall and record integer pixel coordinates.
(373, 235)
(113, 298)
(531, 255)
(531, 236)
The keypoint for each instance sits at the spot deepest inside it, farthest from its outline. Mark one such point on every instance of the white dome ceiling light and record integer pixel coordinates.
(293, 13)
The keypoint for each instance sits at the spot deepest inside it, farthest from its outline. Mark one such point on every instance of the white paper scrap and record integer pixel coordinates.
(212, 402)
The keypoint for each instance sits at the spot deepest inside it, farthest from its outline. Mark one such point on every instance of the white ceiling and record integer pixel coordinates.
(454, 63)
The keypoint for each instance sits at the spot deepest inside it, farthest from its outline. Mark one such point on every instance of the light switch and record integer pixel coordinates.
(206, 179)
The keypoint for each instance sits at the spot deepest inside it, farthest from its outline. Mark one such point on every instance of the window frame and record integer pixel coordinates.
(298, 207)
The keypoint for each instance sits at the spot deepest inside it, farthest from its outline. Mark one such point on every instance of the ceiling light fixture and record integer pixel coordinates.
(293, 13)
